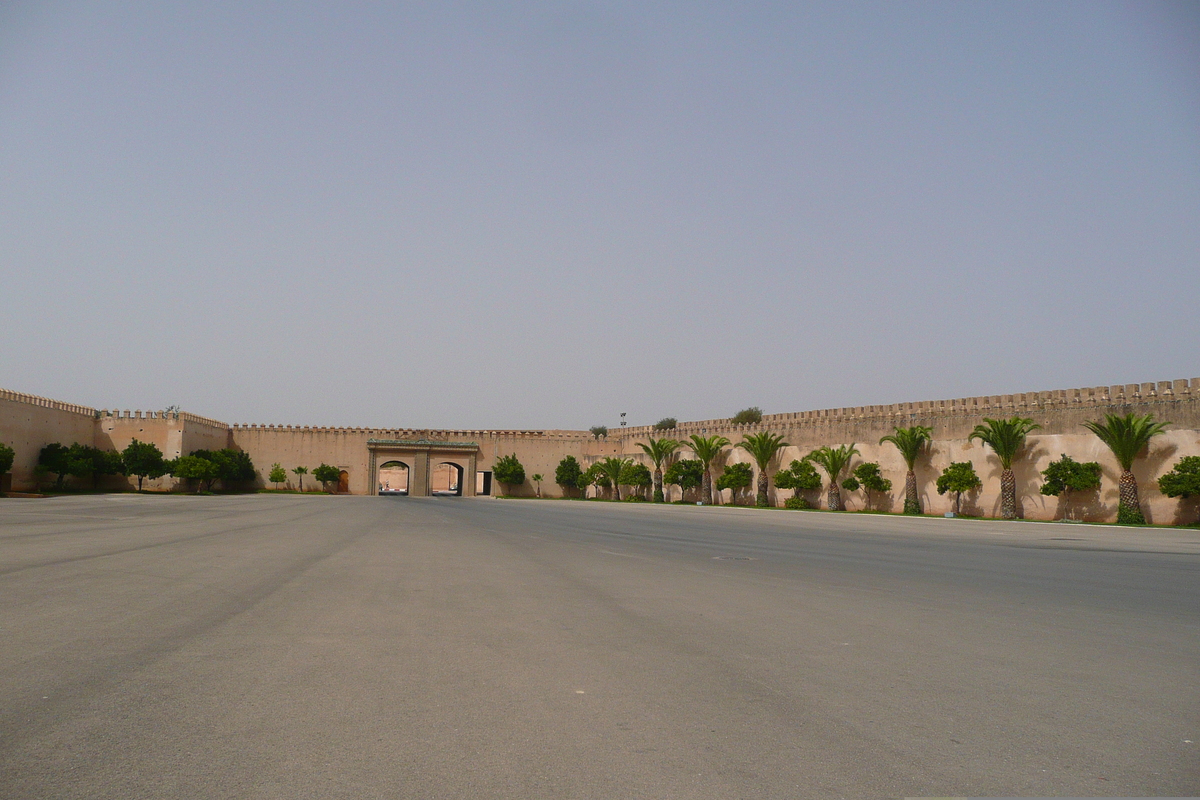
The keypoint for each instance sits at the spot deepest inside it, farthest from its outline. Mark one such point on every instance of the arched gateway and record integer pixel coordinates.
(419, 456)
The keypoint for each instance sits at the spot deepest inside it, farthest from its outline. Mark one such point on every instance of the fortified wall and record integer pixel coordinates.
(28, 422)
(1061, 414)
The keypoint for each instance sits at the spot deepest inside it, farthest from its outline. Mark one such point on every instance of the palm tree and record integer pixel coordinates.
(300, 473)
(910, 442)
(833, 462)
(659, 450)
(762, 447)
(1127, 436)
(611, 468)
(1005, 437)
(707, 448)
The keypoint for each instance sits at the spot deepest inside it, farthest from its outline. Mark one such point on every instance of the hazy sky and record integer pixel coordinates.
(542, 215)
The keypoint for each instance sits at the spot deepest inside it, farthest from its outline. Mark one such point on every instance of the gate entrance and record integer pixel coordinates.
(447, 480)
(393, 478)
(422, 467)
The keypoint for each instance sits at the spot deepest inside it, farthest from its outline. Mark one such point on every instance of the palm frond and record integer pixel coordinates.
(1126, 435)
(707, 448)
(833, 459)
(659, 449)
(762, 447)
(1004, 436)
(910, 441)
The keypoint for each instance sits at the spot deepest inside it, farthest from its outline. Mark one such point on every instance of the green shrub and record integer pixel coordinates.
(797, 504)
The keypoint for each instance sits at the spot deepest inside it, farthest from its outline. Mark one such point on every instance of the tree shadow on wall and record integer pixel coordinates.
(1081, 507)
(1147, 470)
(1029, 478)
(1187, 511)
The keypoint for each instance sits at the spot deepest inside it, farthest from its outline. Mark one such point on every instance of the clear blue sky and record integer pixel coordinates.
(542, 215)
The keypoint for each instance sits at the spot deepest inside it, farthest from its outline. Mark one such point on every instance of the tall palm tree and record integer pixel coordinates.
(659, 451)
(833, 461)
(611, 468)
(1127, 436)
(1005, 437)
(762, 447)
(707, 448)
(910, 442)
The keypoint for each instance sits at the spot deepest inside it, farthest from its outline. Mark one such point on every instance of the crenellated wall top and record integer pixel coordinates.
(46, 402)
(999, 405)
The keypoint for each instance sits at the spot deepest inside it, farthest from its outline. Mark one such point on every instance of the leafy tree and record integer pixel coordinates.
(277, 475)
(748, 416)
(707, 448)
(833, 461)
(1005, 437)
(143, 460)
(1127, 436)
(659, 450)
(736, 478)
(593, 476)
(959, 477)
(327, 475)
(233, 466)
(800, 476)
(870, 477)
(567, 473)
(911, 442)
(637, 476)
(7, 456)
(611, 468)
(599, 431)
(56, 459)
(197, 468)
(1183, 481)
(666, 424)
(762, 447)
(84, 460)
(537, 478)
(300, 472)
(508, 471)
(1068, 475)
(687, 474)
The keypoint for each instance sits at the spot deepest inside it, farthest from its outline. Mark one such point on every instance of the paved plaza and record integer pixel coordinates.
(359, 647)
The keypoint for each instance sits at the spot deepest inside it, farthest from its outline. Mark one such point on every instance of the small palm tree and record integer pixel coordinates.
(910, 442)
(1005, 437)
(537, 478)
(300, 473)
(707, 448)
(611, 468)
(1127, 436)
(833, 461)
(762, 447)
(659, 451)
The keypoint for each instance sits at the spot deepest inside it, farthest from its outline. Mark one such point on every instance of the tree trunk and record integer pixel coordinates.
(912, 502)
(1129, 507)
(1008, 494)
(957, 502)
(139, 477)
(706, 487)
(835, 497)
(761, 500)
(658, 487)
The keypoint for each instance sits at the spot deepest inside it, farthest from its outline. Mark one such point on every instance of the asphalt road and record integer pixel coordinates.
(352, 647)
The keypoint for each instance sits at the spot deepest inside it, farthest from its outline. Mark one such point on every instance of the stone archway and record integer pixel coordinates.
(393, 478)
(421, 456)
(447, 480)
